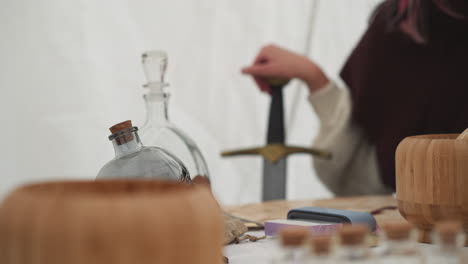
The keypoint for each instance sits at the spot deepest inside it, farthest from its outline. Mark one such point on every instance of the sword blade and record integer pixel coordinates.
(274, 174)
(274, 180)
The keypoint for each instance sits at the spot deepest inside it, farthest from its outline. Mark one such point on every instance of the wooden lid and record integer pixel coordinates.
(353, 234)
(293, 236)
(397, 230)
(321, 245)
(120, 126)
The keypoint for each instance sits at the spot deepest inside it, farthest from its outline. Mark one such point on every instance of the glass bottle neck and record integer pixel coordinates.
(156, 108)
(130, 145)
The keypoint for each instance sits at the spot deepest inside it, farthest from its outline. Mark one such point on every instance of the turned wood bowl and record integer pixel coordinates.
(110, 221)
(432, 180)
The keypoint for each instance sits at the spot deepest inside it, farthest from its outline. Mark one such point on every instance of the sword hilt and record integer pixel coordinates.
(276, 131)
(277, 82)
(275, 152)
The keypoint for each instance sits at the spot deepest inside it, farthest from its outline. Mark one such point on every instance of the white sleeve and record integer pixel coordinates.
(353, 169)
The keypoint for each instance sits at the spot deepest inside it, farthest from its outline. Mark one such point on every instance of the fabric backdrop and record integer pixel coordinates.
(70, 69)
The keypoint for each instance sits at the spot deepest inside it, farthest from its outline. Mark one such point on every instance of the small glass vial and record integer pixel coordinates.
(354, 247)
(399, 244)
(292, 246)
(321, 250)
(449, 237)
(133, 160)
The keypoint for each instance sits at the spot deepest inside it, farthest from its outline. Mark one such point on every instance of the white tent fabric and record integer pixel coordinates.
(70, 69)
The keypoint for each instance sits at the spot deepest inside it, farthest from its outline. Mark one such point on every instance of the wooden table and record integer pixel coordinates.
(260, 212)
(257, 253)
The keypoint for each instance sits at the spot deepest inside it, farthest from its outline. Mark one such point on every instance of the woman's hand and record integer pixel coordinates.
(275, 62)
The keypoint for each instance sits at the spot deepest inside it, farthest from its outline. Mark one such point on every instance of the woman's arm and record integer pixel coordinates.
(275, 62)
(353, 169)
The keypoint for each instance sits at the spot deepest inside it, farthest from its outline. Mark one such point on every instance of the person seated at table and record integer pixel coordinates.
(408, 75)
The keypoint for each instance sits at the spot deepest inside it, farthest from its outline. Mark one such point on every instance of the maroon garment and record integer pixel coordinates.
(401, 88)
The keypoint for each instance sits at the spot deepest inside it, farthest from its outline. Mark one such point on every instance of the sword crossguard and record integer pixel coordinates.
(277, 82)
(275, 152)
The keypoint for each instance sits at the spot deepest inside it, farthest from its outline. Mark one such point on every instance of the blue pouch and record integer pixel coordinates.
(333, 216)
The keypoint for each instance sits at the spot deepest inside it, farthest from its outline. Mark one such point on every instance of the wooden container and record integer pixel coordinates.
(112, 221)
(432, 180)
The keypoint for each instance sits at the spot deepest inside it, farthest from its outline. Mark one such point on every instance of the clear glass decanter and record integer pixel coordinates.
(133, 160)
(158, 131)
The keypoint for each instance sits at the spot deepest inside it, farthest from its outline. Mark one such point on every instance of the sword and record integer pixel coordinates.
(275, 152)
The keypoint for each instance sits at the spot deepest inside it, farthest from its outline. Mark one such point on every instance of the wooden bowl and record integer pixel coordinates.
(432, 180)
(111, 221)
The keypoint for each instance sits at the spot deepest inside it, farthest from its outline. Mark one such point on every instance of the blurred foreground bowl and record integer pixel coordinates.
(432, 180)
(111, 221)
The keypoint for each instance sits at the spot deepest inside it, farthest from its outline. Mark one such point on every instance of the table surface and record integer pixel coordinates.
(260, 212)
(260, 251)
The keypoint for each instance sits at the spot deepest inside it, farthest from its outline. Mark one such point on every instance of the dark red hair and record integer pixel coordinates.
(412, 16)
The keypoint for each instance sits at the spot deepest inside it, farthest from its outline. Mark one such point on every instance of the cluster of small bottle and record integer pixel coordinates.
(352, 244)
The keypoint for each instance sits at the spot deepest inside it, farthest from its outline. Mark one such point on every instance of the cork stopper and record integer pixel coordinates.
(351, 235)
(448, 231)
(293, 236)
(120, 126)
(122, 132)
(398, 230)
(321, 245)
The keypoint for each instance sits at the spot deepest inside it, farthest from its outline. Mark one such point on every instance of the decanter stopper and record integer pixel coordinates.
(154, 65)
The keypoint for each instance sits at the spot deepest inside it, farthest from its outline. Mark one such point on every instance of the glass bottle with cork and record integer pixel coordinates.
(449, 237)
(354, 245)
(157, 130)
(399, 244)
(133, 160)
(292, 248)
(321, 250)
